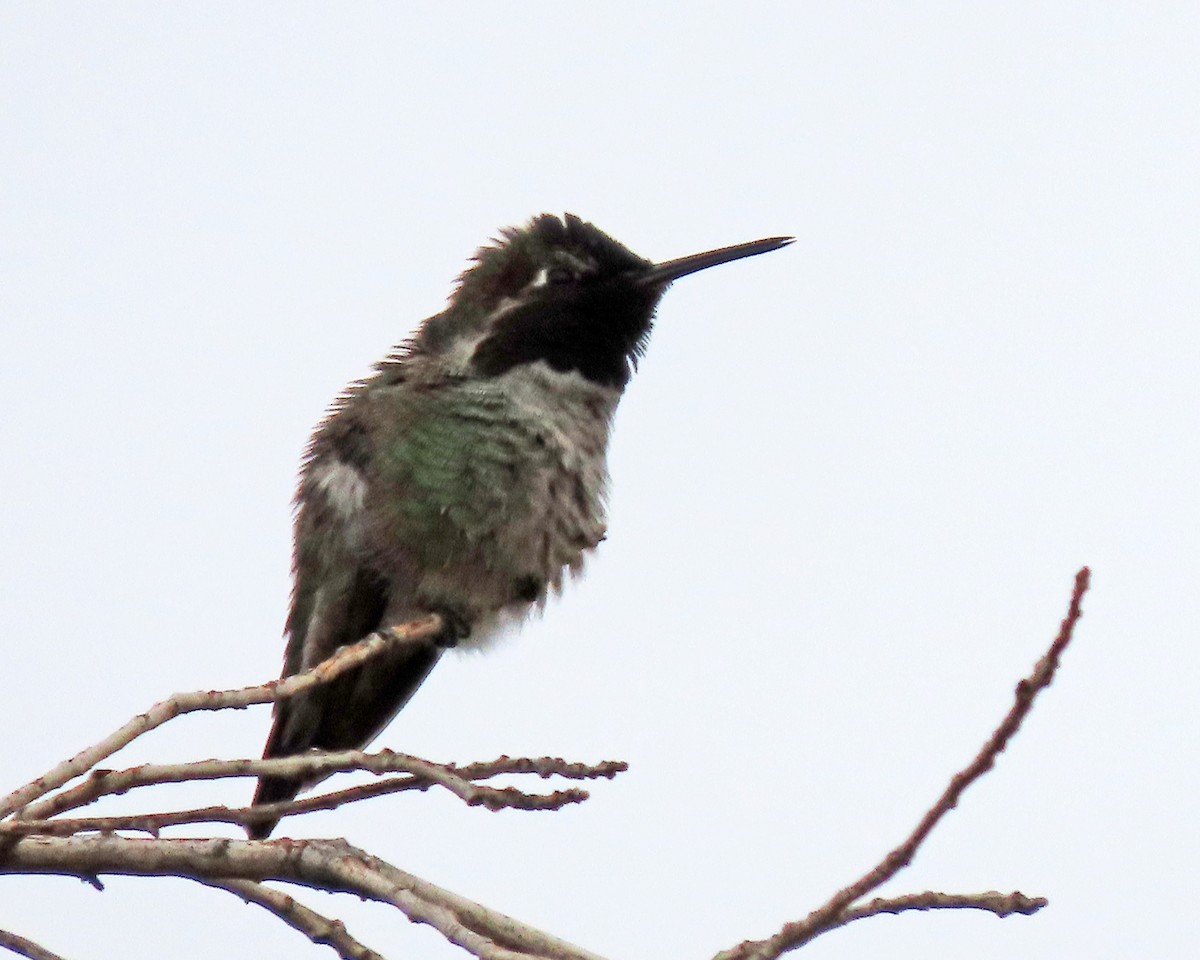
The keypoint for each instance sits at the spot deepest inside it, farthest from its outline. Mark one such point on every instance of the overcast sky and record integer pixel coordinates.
(852, 480)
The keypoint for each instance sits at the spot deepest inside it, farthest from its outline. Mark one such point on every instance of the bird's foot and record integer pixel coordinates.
(457, 627)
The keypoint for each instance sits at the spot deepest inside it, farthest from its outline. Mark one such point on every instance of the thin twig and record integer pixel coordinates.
(25, 947)
(100, 783)
(418, 631)
(335, 866)
(491, 798)
(828, 916)
(425, 775)
(1001, 904)
(494, 798)
(317, 927)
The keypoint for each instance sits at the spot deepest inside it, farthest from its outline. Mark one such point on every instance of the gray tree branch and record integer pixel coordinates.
(833, 913)
(35, 839)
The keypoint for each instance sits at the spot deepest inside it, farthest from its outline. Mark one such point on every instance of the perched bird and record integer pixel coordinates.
(466, 476)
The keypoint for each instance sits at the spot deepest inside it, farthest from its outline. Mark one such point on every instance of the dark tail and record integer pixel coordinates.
(346, 714)
(271, 790)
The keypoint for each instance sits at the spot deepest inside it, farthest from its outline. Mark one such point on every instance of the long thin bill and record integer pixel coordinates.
(664, 273)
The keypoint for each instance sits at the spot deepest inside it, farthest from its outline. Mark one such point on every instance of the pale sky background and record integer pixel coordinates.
(852, 481)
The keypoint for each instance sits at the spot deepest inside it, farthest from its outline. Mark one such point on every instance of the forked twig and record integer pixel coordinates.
(418, 631)
(834, 913)
(240, 866)
(423, 774)
(332, 865)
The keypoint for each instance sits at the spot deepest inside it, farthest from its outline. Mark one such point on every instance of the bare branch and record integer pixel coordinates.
(828, 916)
(544, 767)
(318, 928)
(1001, 904)
(475, 794)
(26, 948)
(100, 783)
(30, 842)
(424, 774)
(332, 865)
(152, 823)
(417, 631)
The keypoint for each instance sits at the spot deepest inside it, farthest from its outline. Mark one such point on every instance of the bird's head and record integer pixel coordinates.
(562, 292)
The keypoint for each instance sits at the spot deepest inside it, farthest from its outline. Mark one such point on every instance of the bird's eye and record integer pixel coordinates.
(557, 276)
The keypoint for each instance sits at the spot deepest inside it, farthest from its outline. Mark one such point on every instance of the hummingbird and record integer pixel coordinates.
(466, 475)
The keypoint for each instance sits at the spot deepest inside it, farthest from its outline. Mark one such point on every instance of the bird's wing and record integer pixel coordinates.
(337, 599)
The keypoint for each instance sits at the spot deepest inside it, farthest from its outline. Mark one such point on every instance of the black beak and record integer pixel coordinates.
(660, 274)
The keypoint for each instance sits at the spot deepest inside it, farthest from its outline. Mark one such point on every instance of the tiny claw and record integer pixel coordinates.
(457, 627)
